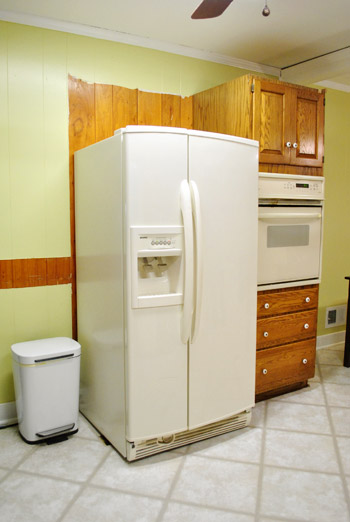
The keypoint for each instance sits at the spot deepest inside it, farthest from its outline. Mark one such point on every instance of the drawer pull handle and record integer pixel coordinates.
(266, 306)
(264, 371)
(289, 144)
(304, 361)
(306, 326)
(295, 145)
(266, 334)
(307, 299)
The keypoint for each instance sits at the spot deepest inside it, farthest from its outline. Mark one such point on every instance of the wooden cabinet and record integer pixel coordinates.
(286, 339)
(288, 123)
(286, 119)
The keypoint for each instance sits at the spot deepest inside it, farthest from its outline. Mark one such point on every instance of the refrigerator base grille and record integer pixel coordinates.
(145, 448)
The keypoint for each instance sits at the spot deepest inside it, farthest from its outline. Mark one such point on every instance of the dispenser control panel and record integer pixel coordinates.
(159, 241)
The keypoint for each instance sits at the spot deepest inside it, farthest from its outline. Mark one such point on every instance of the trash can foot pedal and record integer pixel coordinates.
(55, 431)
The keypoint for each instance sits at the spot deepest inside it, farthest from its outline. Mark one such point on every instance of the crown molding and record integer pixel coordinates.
(139, 41)
(334, 85)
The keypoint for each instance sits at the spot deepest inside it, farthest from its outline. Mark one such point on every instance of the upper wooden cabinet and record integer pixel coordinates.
(286, 119)
(288, 123)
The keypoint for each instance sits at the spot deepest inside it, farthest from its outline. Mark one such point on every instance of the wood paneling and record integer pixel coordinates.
(59, 271)
(6, 277)
(187, 113)
(124, 107)
(149, 108)
(104, 111)
(23, 273)
(171, 110)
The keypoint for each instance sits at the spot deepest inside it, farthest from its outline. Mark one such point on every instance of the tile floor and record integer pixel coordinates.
(292, 464)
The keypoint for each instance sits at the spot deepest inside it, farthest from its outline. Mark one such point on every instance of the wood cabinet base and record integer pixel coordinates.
(284, 365)
(280, 391)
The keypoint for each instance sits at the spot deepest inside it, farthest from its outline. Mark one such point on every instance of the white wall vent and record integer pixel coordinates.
(335, 316)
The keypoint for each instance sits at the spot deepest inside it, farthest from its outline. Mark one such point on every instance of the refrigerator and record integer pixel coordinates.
(166, 266)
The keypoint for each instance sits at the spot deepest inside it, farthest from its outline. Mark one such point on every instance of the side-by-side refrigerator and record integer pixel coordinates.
(166, 249)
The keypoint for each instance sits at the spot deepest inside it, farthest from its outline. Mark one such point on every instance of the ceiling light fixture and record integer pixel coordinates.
(266, 11)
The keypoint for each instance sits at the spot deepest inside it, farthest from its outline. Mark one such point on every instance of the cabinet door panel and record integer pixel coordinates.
(271, 122)
(286, 301)
(280, 329)
(309, 129)
(284, 365)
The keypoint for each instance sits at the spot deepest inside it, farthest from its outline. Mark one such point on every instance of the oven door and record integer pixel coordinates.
(289, 244)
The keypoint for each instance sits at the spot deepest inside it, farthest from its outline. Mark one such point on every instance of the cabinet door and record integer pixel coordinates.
(308, 113)
(272, 122)
(284, 365)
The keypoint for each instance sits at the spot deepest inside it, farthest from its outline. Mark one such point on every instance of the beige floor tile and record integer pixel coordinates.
(312, 394)
(297, 417)
(341, 420)
(241, 445)
(12, 447)
(86, 430)
(335, 374)
(3, 473)
(317, 377)
(303, 496)
(344, 449)
(73, 459)
(176, 512)
(99, 505)
(334, 357)
(300, 450)
(218, 484)
(347, 480)
(151, 476)
(28, 498)
(258, 414)
(337, 394)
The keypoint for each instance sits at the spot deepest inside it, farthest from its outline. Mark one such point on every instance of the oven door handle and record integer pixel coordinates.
(289, 215)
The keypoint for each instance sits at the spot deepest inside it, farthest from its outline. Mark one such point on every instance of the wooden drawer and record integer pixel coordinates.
(282, 329)
(285, 301)
(284, 365)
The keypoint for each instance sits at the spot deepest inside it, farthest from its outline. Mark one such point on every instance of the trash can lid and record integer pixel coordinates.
(42, 350)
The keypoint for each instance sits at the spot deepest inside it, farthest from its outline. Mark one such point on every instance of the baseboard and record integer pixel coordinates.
(8, 414)
(330, 339)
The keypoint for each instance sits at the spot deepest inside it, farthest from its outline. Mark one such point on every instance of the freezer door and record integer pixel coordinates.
(222, 354)
(156, 358)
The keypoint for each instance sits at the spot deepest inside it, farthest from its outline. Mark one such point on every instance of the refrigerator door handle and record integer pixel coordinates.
(197, 219)
(186, 209)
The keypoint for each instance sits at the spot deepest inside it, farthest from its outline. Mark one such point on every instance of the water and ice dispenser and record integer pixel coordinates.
(157, 266)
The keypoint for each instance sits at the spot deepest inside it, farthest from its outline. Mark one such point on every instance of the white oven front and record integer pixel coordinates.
(289, 247)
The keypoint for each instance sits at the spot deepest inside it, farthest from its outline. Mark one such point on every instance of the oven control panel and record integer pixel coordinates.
(286, 186)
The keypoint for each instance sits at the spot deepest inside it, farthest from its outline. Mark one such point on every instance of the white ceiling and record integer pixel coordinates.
(296, 31)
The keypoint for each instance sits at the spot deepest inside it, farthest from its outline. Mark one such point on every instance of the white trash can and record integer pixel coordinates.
(46, 375)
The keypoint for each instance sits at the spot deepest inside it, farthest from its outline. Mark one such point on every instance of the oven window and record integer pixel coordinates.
(287, 235)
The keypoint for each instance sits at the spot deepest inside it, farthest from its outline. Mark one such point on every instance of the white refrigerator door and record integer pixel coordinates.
(156, 359)
(222, 355)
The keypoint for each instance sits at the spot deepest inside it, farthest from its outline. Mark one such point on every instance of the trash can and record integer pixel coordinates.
(46, 375)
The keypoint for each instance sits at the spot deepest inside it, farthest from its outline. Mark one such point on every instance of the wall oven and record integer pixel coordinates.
(290, 230)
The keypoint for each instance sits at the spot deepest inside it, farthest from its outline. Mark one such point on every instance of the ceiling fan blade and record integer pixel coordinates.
(210, 9)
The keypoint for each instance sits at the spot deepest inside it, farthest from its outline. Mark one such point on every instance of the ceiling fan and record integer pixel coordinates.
(214, 8)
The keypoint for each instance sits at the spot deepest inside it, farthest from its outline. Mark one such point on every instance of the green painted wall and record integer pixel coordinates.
(34, 179)
(336, 244)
